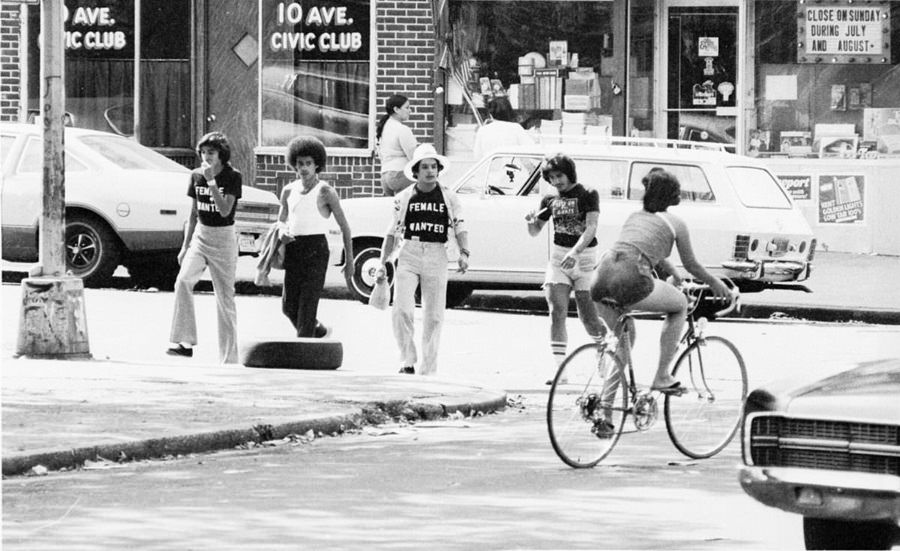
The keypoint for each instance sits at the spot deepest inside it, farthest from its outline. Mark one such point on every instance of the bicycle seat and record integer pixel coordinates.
(612, 303)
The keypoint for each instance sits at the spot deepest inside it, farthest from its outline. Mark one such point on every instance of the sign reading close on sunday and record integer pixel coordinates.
(843, 33)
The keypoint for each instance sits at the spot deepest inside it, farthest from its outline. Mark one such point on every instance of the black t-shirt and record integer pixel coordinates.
(427, 218)
(569, 211)
(229, 182)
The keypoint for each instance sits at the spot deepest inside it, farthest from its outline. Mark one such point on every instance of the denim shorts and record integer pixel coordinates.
(624, 276)
(579, 276)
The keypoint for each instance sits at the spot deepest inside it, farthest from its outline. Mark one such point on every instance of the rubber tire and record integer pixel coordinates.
(824, 533)
(365, 260)
(301, 353)
(96, 264)
(159, 272)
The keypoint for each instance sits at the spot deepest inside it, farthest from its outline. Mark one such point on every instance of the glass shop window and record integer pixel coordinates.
(549, 60)
(827, 86)
(99, 68)
(316, 71)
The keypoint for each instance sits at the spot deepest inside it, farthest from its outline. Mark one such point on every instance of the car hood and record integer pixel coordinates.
(868, 392)
(252, 194)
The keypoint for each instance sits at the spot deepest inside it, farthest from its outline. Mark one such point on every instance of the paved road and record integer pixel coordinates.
(486, 483)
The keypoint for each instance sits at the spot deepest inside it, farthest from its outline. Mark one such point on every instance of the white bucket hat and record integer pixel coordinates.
(424, 151)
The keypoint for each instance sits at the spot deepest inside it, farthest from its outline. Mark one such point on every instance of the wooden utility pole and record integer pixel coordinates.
(53, 322)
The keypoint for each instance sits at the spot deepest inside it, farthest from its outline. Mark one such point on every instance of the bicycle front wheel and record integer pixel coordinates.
(587, 406)
(702, 421)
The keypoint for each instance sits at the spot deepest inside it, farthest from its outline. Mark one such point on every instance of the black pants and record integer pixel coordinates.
(305, 263)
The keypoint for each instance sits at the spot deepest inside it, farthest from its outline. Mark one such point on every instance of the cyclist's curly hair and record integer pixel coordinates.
(307, 146)
(217, 141)
(562, 163)
(661, 190)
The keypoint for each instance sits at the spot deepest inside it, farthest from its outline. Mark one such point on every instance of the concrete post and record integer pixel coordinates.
(53, 322)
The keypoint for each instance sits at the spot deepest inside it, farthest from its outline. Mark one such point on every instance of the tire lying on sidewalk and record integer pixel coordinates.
(300, 353)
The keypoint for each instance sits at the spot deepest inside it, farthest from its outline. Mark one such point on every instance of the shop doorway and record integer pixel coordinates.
(701, 94)
(231, 78)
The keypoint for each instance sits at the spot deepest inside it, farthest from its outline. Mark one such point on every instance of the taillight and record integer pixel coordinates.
(741, 246)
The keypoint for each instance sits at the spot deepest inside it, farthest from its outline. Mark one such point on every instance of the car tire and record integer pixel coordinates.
(92, 249)
(159, 272)
(302, 353)
(366, 261)
(824, 533)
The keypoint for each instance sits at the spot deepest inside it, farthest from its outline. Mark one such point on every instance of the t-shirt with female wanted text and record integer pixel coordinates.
(229, 182)
(427, 217)
(569, 211)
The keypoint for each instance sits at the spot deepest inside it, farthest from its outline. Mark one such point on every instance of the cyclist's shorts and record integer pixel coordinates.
(577, 277)
(624, 276)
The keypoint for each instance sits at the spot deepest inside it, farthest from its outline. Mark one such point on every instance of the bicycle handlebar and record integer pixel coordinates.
(694, 291)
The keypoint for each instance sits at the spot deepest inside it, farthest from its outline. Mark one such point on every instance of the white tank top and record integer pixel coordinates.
(304, 217)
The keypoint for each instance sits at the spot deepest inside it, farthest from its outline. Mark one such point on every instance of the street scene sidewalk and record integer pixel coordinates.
(133, 402)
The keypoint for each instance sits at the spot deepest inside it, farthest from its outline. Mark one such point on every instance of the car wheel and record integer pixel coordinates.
(92, 250)
(365, 263)
(159, 272)
(302, 353)
(823, 533)
(457, 294)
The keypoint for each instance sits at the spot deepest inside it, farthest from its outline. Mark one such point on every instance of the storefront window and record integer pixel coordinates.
(99, 68)
(829, 84)
(640, 69)
(316, 72)
(550, 60)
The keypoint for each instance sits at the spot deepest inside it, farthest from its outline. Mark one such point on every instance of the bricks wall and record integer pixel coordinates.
(405, 39)
(10, 72)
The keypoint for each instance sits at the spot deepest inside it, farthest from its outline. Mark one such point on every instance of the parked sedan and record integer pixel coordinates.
(743, 224)
(125, 204)
(830, 451)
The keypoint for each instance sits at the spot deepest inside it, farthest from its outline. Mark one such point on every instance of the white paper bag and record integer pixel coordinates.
(381, 294)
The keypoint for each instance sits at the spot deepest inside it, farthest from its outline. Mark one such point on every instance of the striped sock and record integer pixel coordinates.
(558, 348)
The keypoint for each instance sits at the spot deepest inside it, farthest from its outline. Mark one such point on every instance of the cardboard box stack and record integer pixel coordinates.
(582, 90)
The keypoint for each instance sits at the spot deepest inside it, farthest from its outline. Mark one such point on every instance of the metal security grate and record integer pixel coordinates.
(777, 441)
(741, 247)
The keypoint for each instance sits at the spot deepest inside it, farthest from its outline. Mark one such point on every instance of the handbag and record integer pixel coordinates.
(381, 294)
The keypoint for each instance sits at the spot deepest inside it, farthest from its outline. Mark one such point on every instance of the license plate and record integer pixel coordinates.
(247, 243)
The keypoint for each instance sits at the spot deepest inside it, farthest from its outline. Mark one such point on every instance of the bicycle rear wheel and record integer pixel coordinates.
(702, 421)
(587, 406)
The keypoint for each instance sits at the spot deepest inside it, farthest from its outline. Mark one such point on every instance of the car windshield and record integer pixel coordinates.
(129, 154)
(756, 188)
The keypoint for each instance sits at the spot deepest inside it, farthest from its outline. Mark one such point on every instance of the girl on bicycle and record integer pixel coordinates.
(575, 210)
(625, 273)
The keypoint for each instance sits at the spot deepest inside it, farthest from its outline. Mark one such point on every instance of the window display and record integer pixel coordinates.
(832, 81)
(316, 71)
(551, 60)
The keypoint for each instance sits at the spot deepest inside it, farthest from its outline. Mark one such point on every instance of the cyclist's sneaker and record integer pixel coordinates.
(603, 429)
(407, 370)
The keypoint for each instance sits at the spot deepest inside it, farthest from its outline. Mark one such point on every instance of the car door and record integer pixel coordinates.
(21, 196)
(494, 212)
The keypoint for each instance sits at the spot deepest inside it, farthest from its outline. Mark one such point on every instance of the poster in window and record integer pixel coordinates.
(838, 97)
(854, 100)
(798, 186)
(842, 199)
(865, 94)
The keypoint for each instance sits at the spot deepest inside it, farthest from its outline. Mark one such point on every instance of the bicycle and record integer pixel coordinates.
(593, 394)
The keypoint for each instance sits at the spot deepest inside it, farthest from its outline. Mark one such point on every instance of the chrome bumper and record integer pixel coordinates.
(769, 270)
(825, 494)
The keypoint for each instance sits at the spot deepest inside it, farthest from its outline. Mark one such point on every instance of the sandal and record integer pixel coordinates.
(673, 389)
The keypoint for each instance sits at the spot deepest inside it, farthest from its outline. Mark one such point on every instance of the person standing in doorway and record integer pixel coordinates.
(209, 242)
(396, 145)
(501, 130)
(306, 205)
(575, 211)
(428, 218)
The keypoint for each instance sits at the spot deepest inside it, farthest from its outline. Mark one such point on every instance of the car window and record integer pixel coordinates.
(6, 143)
(501, 175)
(607, 176)
(694, 185)
(129, 154)
(756, 188)
(33, 158)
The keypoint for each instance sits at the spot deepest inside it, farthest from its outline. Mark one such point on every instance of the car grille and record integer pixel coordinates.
(778, 441)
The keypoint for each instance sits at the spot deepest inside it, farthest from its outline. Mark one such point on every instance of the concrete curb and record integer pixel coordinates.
(369, 414)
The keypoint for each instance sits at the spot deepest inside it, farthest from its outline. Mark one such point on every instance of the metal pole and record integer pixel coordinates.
(51, 241)
(136, 102)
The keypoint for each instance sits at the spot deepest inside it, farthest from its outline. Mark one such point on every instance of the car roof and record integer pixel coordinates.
(25, 128)
(645, 151)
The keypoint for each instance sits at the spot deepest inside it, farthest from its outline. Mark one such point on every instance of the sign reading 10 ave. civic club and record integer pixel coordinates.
(844, 32)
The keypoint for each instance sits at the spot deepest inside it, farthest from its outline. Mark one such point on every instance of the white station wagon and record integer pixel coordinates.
(743, 224)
